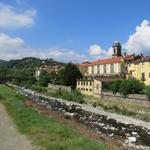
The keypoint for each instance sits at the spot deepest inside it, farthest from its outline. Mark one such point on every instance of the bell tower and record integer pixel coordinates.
(116, 49)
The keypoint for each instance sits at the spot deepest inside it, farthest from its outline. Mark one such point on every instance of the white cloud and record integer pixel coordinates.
(11, 18)
(15, 47)
(109, 52)
(9, 43)
(139, 42)
(95, 50)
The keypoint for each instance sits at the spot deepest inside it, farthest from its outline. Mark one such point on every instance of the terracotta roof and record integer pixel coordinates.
(107, 61)
(85, 64)
(103, 61)
(144, 59)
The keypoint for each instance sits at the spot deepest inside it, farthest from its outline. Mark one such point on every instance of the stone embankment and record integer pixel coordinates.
(133, 133)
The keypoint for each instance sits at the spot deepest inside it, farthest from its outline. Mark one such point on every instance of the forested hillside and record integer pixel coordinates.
(24, 67)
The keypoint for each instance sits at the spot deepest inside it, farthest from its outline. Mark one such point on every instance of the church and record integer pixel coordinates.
(118, 67)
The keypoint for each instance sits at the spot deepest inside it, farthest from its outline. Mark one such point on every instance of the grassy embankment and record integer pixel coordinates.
(43, 130)
(123, 107)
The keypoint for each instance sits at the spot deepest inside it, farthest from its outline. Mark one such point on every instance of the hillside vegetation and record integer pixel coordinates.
(24, 67)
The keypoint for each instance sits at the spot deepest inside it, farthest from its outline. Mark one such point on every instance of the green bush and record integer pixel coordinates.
(147, 92)
(37, 87)
(118, 110)
(74, 95)
(125, 88)
(44, 79)
(131, 86)
(136, 86)
(115, 86)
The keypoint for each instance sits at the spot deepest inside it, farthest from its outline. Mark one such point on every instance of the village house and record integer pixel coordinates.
(48, 68)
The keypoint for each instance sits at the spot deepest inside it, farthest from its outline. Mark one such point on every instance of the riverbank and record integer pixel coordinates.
(45, 131)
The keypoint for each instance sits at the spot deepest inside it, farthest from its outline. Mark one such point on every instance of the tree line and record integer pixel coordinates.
(130, 86)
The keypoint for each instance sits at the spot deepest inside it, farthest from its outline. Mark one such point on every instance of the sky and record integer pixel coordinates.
(73, 30)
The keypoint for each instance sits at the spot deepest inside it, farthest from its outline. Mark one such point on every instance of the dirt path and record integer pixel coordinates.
(10, 138)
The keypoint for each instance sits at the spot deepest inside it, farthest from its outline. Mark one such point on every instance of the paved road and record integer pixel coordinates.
(10, 138)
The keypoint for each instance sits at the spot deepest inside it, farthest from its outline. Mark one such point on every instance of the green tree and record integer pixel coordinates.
(44, 79)
(131, 86)
(125, 88)
(115, 86)
(136, 86)
(70, 74)
(147, 92)
(60, 77)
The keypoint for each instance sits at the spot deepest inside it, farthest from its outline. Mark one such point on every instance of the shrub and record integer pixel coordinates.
(115, 86)
(147, 92)
(131, 86)
(136, 86)
(125, 88)
(74, 95)
(37, 87)
(44, 79)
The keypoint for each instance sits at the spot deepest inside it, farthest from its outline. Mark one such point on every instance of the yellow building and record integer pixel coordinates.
(89, 86)
(109, 66)
(94, 86)
(139, 69)
(100, 71)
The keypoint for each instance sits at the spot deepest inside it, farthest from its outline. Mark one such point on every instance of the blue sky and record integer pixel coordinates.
(73, 30)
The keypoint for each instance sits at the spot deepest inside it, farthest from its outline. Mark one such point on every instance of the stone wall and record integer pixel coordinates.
(59, 87)
(133, 135)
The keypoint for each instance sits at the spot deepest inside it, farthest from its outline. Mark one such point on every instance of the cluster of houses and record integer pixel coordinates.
(117, 67)
(48, 68)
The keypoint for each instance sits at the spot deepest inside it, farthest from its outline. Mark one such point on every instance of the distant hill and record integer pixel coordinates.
(29, 62)
(2, 62)
(25, 66)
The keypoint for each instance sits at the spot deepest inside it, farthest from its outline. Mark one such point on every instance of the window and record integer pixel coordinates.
(104, 68)
(90, 89)
(92, 69)
(149, 74)
(86, 82)
(143, 76)
(98, 69)
(86, 89)
(112, 68)
(78, 82)
(97, 86)
(90, 83)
